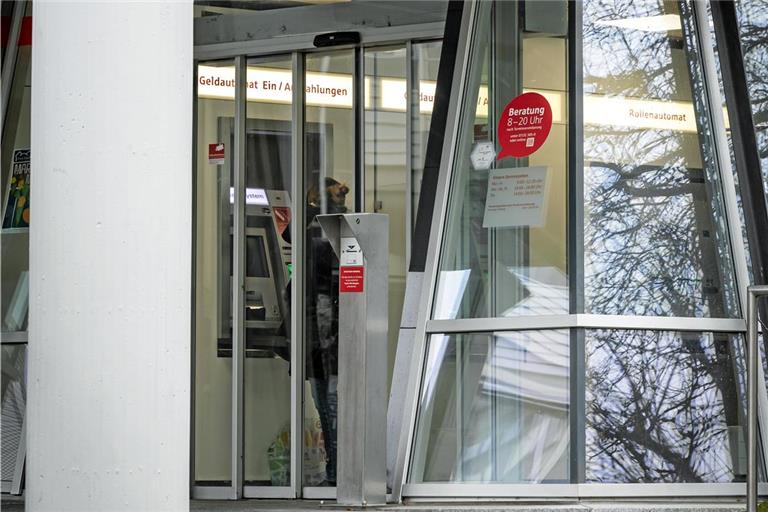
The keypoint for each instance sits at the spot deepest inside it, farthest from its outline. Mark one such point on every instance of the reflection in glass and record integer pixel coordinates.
(753, 33)
(655, 240)
(425, 64)
(510, 263)
(268, 227)
(494, 407)
(385, 167)
(663, 407)
(329, 162)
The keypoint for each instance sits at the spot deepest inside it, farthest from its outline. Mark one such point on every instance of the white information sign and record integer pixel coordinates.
(516, 197)
(482, 155)
(351, 253)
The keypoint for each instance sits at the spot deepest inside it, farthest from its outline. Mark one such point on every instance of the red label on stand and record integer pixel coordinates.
(524, 125)
(351, 279)
(216, 153)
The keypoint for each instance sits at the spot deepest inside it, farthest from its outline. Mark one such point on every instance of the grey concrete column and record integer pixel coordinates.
(110, 252)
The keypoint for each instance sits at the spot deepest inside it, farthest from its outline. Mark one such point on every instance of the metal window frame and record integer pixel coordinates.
(577, 321)
(575, 233)
(753, 407)
(743, 134)
(730, 199)
(238, 295)
(193, 285)
(561, 492)
(586, 321)
(358, 114)
(297, 280)
(748, 168)
(413, 88)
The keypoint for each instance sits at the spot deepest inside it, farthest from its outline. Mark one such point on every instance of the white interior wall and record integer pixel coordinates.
(109, 359)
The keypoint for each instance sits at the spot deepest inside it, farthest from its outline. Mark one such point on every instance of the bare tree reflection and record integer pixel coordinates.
(753, 28)
(753, 33)
(656, 407)
(659, 404)
(650, 246)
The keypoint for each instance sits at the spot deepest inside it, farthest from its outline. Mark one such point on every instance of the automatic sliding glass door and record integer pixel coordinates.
(329, 187)
(244, 224)
(212, 386)
(267, 254)
(302, 135)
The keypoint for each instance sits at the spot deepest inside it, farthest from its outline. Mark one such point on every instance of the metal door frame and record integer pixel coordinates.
(296, 46)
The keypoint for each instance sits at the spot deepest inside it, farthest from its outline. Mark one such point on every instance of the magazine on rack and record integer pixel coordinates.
(17, 201)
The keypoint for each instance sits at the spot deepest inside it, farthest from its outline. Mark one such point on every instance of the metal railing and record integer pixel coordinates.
(753, 293)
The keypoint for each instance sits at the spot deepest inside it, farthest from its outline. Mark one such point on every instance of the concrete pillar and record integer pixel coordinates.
(110, 252)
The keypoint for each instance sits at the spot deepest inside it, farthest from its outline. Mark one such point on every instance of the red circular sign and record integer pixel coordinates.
(524, 125)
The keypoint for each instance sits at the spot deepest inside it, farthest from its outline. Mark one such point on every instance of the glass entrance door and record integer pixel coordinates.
(330, 186)
(267, 255)
(281, 140)
(244, 327)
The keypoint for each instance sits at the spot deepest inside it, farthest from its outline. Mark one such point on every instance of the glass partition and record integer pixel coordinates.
(504, 251)
(495, 408)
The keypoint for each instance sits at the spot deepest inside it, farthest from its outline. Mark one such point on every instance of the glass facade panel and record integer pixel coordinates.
(654, 237)
(509, 260)
(753, 32)
(664, 407)
(495, 408)
(425, 64)
(634, 406)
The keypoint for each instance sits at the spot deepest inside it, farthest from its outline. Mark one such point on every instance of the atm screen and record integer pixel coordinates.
(255, 256)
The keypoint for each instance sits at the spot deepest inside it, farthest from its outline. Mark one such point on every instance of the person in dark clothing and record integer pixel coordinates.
(322, 363)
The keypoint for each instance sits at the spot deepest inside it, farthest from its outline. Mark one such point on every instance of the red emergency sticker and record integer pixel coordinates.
(351, 279)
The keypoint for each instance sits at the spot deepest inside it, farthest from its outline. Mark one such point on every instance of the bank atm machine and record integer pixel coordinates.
(267, 276)
(267, 263)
